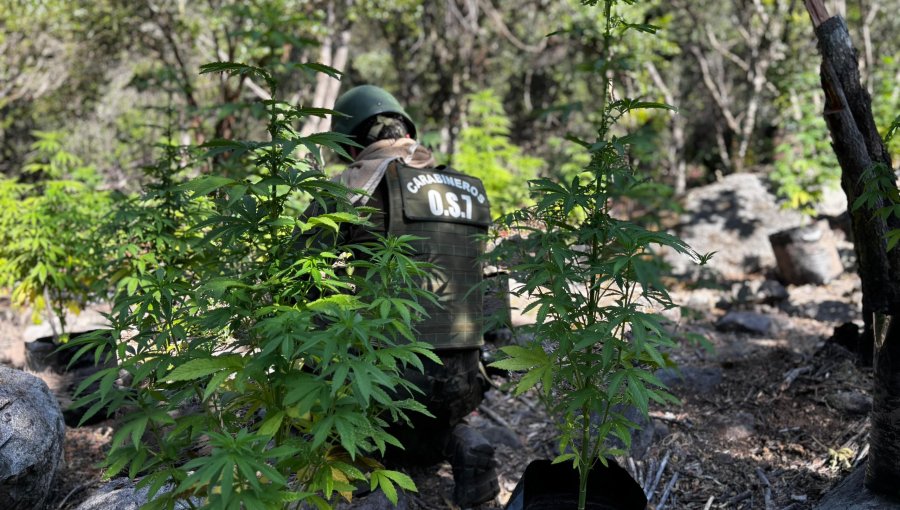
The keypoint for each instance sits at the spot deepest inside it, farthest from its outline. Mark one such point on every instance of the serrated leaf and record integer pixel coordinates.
(202, 367)
(562, 458)
(271, 424)
(321, 68)
(401, 479)
(206, 184)
(512, 364)
(234, 68)
(529, 380)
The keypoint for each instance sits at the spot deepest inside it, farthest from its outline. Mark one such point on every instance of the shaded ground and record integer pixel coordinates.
(767, 420)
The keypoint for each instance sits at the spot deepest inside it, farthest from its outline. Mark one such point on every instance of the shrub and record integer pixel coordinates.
(595, 285)
(50, 257)
(264, 357)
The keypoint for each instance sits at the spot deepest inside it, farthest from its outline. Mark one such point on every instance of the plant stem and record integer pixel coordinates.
(584, 463)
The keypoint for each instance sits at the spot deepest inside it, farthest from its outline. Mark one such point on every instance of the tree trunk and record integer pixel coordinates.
(334, 52)
(858, 146)
(883, 469)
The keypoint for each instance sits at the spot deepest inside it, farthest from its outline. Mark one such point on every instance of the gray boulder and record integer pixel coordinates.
(734, 218)
(88, 320)
(121, 494)
(32, 434)
(748, 322)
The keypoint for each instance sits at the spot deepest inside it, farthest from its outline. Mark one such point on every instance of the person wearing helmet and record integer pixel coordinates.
(447, 209)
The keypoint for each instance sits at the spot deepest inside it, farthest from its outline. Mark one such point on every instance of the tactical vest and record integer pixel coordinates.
(449, 210)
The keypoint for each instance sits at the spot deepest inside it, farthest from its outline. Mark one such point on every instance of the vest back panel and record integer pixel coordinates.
(449, 210)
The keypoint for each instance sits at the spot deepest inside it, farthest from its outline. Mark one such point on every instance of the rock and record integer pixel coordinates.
(760, 292)
(32, 433)
(518, 304)
(748, 322)
(735, 427)
(121, 494)
(807, 254)
(87, 320)
(851, 494)
(497, 435)
(694, 379)
(850, 402)
(833, 202)
(375, 501)
(734, 218)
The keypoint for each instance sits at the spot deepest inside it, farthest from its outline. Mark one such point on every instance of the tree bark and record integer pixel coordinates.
(858, 146)
(334, 53)
(674, 153)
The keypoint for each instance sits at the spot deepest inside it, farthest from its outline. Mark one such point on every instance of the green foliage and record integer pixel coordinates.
(264, 355)
(881, 196)
(880, 193)
(596, 288)
(805, 164)
(892, 130)
(886, 101)
(50, 256)
(486, 152)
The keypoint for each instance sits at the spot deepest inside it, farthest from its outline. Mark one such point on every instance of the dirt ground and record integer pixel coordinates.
(767, 421)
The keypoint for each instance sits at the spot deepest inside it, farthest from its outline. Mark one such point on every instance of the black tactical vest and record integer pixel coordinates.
(449, 209)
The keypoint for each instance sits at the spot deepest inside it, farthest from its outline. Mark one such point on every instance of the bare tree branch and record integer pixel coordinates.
(497, 19)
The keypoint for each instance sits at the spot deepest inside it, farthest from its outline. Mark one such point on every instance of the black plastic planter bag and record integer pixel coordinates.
(546, 486)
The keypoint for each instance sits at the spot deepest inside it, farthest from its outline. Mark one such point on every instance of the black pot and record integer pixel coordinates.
(547, 486)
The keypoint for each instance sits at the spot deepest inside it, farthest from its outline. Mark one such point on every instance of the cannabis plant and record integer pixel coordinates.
(486, 152)
(594, 282)
(263, 355)
(50, 257)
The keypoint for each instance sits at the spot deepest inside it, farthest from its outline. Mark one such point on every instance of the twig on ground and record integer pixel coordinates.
(792, 375)
(738, 498)
(670, 417)
(855, 437)
(665, 494)
(632, 467)
(528, 403)
(709, 503)
(662, 466)
(861, 455)
(767, 494)
(494, 416)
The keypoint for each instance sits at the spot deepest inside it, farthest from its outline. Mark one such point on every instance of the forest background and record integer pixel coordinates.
(491, 90)
(99, 100)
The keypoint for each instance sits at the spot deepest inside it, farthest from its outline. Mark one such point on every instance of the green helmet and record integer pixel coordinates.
(362, 102)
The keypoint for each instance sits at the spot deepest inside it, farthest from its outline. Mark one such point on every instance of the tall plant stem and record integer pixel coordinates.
(584, 462)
